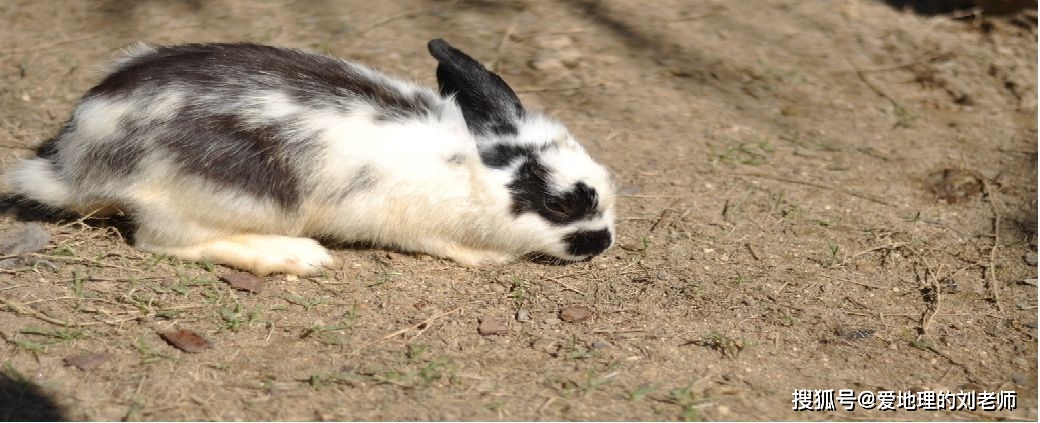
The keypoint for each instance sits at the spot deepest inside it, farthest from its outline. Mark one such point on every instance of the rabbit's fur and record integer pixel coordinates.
(238, 153)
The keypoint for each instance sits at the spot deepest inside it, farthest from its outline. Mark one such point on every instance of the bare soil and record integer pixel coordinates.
(785, 223)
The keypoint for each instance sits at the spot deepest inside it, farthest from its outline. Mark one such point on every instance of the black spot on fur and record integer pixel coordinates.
(457, 159)
(231, 152)
(234, 69)
(502, 155)
(49, 148)
(119, 156)
(365, 178)
(489, 106)
(587, 243)
(398, 109)
(530, 194)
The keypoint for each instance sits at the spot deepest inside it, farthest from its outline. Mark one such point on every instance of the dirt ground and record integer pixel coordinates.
(814, 194)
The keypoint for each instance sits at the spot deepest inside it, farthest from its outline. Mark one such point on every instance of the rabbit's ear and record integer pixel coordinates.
(488, 104)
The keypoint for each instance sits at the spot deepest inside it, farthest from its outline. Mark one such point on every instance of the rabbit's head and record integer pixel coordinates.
(560, 201)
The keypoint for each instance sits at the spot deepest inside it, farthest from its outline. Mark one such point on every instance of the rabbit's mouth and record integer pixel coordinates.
(586, 244)
(579, 246)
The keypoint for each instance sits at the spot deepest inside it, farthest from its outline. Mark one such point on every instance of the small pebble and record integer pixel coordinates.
(858, 333)
(522, 315)
(492, 326)
(600, 344)
(552, 321)
(1030, 259)
(575, 314)
(1018, 378)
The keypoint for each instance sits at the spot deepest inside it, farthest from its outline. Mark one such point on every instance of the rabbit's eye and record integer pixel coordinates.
(556, 205)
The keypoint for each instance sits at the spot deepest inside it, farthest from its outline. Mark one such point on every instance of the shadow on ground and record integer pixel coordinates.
(939, 7)
(21, 400)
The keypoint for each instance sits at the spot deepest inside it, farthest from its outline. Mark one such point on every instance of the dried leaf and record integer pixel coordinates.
(575, 314)
(186, 340)
(244, 281)
(27, 238)
(87, 361)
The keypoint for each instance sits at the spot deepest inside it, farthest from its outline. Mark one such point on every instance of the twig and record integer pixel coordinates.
(384, 21)
(47, 45)
(652, 196)
(550, 89)
(660, 218)
(867, 197)
(926, 320)
(547, 34)
(889, 246)
(417, 325)
(752, 251)
(104, 279)
(502, 46)
(22, 309)
(618, 331)
(564, 284)
(82, 220)
(991, 270)
(863, 77)
(854, 282)
(940, 56)
(81, 260)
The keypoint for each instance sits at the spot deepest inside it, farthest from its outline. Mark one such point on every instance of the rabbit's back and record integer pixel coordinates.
(250, 118)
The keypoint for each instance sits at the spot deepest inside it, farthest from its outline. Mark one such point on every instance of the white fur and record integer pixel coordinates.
(418, 199)
(37, 178)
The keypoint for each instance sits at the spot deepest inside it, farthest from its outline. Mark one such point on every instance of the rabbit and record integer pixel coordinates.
(243, 154)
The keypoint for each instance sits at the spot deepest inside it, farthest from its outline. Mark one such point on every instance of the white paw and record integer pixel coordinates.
(260, 254)
(475, 258)
(297, 256)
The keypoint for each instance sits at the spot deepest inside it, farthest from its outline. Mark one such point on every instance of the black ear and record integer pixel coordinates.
(488, 104)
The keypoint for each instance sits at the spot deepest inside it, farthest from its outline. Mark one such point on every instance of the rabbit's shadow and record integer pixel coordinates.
(23, 209)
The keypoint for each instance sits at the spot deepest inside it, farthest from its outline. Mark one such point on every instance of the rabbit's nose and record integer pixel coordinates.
(588, 243)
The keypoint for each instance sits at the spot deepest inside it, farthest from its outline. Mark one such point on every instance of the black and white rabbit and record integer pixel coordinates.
(238, 153)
